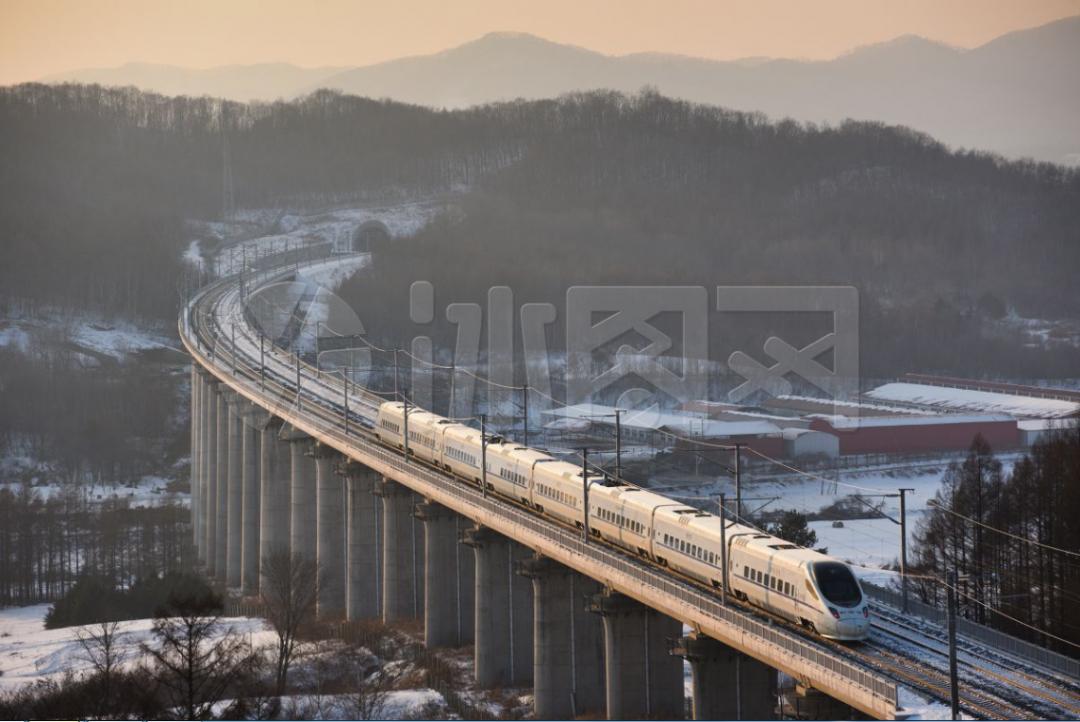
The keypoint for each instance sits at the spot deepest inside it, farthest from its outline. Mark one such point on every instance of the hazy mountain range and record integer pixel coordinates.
(1011, 95)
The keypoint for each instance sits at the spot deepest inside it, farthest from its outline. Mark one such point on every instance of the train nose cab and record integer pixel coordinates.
(849, 614)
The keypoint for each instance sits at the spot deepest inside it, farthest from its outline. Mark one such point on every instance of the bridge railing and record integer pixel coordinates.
(973, 630)
(325, 421)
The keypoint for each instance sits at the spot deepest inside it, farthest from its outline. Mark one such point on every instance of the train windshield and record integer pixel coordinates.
(837, 583)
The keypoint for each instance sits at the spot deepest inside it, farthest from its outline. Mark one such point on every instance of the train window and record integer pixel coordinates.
(746, 571)
(837, 583)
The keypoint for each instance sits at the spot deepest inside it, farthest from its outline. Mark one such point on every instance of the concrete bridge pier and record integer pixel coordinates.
(363, 532)
(402, 552)
(643, 680)
(568, 642)
(195, 473)
(808, 703)
(221, 506)
(448, 579)
(330, 536)
(275, 481)
(235, 492)
(255, 419)
(503, 635)
(727, 684)
(302, 517)
(209, 491)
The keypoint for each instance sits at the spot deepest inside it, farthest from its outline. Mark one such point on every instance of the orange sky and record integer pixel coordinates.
(40, 37)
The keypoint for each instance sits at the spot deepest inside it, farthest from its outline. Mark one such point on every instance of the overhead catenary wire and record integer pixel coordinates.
(937, 505)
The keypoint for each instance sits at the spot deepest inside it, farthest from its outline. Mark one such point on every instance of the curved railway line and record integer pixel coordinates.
(911, 652)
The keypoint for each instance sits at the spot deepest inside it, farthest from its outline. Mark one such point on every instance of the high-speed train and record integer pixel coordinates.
(801, 585)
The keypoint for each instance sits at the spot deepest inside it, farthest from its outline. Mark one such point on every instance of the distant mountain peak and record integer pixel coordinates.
(907, 43)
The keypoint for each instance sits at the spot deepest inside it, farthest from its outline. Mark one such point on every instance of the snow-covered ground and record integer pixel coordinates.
(916, 706)
(29, 652)
(284, 230)
(93, 337)
(972, 400)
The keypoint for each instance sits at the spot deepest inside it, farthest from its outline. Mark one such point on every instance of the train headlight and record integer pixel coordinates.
(836, 614)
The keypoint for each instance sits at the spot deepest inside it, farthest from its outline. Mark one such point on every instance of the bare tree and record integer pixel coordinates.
(194, 666)
(101, 647)
(288, 593)
(372, 691)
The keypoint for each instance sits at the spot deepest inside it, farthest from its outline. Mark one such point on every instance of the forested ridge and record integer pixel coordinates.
(96, 183)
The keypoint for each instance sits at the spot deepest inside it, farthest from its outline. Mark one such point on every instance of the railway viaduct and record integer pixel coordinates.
(281, 460)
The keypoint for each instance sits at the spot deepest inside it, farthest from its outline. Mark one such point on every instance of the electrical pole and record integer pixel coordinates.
(525, 409)
(618, 444)
(232, 328)
(903, 549)
(483, 455)
(585, 493)
(262, 362)
(345, 377)
(298, 402)
(723, 549)
(396, 392)
(954, 685)
(738, 481)
(406, 429)
(318, 366)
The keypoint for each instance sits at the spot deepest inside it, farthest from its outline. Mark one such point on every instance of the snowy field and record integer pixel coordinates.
(92, 338)
(29, 652)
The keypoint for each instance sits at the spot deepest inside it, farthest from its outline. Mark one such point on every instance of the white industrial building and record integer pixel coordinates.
(806, 442)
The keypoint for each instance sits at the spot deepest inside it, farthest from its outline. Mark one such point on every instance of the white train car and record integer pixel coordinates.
(801, 585)
(688, 540)
(624, 515)
(557, 490)
(461, 452)
(390, 424)
(510, 468)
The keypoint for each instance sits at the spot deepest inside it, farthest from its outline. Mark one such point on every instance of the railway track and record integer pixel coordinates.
(911, 655)
(1057, 693)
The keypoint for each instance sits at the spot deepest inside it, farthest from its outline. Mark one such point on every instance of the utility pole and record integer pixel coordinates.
(396, 392)
(298, 401)
(618, 444)
(954, 685)
(618, 437)
(585, 493)
(406, 429)
(723, 549)
(262, 361)
(903, 549)
(345, 376)
(483, 455)
(318, 366)
(738, 481)
(525, 410)
(232, 328)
